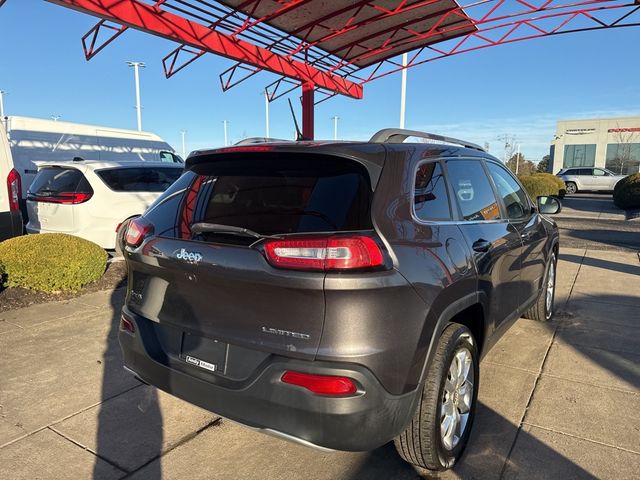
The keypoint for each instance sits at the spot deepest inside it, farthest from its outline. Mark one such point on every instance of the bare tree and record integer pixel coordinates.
(625, 138)
(525, 167)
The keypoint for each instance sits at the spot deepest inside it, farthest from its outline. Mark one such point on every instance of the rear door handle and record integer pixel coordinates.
(481, 245)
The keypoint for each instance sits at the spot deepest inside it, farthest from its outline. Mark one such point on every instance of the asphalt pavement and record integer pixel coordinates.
(591, 220)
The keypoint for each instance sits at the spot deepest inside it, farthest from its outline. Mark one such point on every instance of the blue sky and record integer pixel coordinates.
(520, 89)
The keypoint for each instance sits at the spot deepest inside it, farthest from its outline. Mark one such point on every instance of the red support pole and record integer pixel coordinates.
(307, 110)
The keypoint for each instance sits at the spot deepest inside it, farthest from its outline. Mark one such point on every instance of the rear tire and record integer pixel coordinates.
(440, 428)
(542, 310)
(571, 188)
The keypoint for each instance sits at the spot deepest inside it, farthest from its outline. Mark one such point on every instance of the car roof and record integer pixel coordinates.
(372, 155)
(100, 164)
(340, 148)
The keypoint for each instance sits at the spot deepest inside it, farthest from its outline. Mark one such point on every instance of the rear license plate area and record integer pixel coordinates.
(204, 353)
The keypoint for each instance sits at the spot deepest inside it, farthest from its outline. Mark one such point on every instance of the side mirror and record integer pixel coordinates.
(549, 205)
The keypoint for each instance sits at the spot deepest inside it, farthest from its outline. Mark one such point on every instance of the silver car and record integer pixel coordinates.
(594, 179)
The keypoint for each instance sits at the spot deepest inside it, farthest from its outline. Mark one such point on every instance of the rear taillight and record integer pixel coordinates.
(14, 187)
(127, 325)
(66, 198)
(321, 384)
(137, 230)
(331, 253)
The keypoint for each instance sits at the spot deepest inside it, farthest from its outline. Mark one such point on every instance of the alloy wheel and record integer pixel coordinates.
(457, 398)
(551, 285)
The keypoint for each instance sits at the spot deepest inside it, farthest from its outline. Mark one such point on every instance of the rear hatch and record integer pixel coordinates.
(52, 196)
(216, 283)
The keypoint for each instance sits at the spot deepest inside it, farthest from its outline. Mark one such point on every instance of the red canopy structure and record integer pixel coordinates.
(336, 47)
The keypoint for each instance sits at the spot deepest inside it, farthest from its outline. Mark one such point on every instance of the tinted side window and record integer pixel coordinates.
(585, 171)
(53, 180)
(472, 190)
(143, 179)
(431, 199)
(513, 196)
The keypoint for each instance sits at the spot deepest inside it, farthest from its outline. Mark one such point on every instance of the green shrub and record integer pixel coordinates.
(2, 271)
(562, 188)
(51, 262)
(627, 192)
(624, 181)
(538, 186)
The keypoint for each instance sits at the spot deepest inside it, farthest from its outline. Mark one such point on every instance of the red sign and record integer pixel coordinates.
(620, 130)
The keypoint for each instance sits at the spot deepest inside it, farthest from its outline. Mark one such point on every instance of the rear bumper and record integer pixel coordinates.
(357, 423)
(105, 241)
(10, 224)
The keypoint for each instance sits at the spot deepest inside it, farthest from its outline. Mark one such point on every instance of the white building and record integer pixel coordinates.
(612, 143)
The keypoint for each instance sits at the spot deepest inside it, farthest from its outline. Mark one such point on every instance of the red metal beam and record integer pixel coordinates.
(134, 14)
(526, 28)
(90, 39)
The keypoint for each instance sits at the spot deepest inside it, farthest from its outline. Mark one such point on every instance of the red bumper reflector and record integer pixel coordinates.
(127, 325)
(321, 384)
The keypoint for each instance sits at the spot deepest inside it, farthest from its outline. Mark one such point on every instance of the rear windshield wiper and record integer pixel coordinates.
(205, 227)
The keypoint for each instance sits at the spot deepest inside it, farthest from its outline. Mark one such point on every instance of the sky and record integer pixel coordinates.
(520, 89)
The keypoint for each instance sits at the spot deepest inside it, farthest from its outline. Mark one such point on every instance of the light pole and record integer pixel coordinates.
(518, 159)
(225, 123)
(136, 71)
(55, 118)
(2, 94)
(184, 150)
(266, 112)
(403, 90)
(335, 127)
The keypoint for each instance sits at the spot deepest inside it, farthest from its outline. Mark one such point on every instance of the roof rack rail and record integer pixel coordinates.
(399, 135)
(253, 140)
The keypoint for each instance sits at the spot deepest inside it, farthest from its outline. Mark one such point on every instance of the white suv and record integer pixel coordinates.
(593, 179)
(92, 199)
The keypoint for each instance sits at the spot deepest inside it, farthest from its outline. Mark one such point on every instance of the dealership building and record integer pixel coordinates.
(612, 143)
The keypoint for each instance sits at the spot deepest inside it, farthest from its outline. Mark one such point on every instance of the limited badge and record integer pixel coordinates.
(200, 363)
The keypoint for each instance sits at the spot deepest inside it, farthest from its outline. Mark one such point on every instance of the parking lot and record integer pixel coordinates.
(611, 230)
(557, 400)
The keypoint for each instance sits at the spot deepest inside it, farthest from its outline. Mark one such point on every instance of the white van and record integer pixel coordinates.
(10, 192)
(38, 140)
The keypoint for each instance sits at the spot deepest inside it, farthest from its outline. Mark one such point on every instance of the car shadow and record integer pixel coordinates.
(492, 437)
(130, 427)
(594, 202)
(600, 263)
(625, 239)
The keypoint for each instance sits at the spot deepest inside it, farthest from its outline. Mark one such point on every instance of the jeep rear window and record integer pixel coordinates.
(280, 195)
(54, 180)
(139, 179)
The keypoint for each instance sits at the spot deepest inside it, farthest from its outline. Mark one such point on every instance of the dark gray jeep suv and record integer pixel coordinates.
(337, 294)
